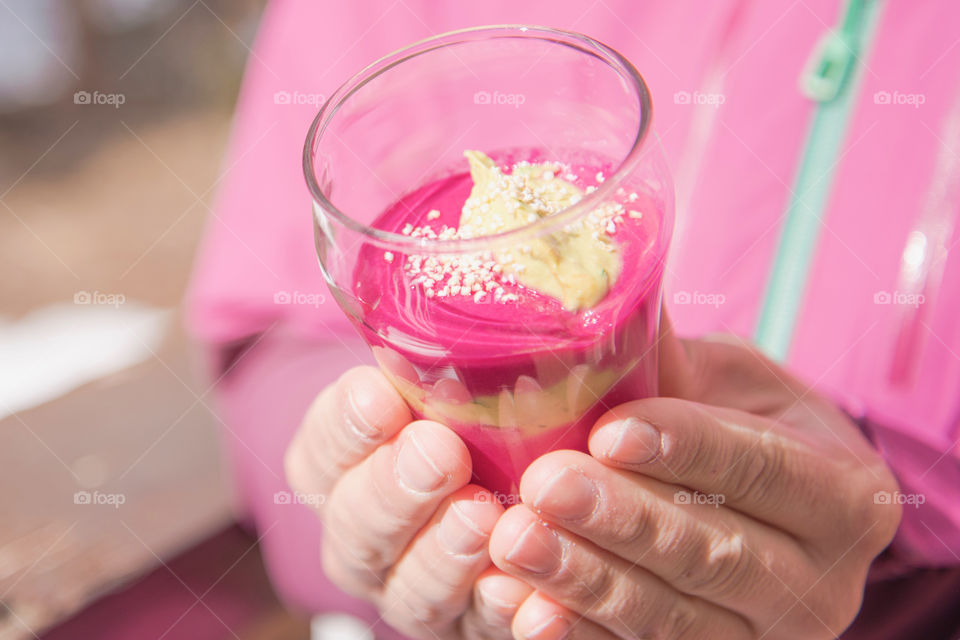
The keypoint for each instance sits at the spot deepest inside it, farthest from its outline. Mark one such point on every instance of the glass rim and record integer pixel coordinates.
(543, 226)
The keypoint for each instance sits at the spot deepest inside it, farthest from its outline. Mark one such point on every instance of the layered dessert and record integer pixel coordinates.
(519, 348)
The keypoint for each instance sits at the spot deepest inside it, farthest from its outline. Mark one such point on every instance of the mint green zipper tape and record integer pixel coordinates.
(832, 78)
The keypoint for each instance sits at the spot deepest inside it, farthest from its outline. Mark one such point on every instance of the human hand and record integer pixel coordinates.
(403, 529)
(741, 507)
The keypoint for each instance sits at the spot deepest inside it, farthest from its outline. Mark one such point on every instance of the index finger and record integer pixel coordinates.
(745, 460)
(347, 421)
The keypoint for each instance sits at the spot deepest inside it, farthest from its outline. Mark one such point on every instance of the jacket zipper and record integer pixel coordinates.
(832, 78)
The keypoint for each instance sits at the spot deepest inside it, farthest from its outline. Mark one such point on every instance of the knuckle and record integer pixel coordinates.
(756, 471)
(678, 622)
(494, 613)
(394, 512)
(413, 615)
(395, 520)
(635, 532)
(304, 472)
(715, 566)
(691, 449)
(352, 581)
(447, 576)
(423, 594)
(868, 517)
(656, 614)
(475, 627)
(358, 549)
(428, 612)
(596, 589)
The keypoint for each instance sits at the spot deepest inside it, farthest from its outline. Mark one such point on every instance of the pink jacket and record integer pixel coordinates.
(891, 213)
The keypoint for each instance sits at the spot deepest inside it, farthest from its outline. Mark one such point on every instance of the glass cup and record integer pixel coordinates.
(516, 337)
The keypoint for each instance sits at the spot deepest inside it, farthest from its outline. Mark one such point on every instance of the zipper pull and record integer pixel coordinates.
(828, 68)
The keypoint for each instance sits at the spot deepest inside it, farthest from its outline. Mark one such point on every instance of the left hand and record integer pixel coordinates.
(740, 507)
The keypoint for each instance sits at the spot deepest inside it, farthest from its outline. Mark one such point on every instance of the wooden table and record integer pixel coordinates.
(141, 437)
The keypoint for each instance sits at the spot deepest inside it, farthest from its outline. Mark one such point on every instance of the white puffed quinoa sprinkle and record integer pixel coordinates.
(481, 275)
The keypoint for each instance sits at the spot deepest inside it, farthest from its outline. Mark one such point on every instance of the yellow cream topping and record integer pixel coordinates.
(577, 265)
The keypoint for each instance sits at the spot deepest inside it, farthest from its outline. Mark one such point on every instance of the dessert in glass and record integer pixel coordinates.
(492, 211)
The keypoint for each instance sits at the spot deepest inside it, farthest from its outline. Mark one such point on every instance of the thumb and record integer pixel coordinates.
(721, 369)
(677, 372)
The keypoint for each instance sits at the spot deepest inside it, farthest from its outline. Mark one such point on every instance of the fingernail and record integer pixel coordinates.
(537, 550)
(459, 534)
(555, 627)
(415, 469)
(636, 442)
(569, 495)
(357, 421)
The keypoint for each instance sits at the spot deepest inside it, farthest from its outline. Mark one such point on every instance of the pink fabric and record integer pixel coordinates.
(260, 242)
(262, 401)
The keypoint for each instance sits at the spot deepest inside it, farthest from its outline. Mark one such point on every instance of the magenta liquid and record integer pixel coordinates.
(519, 376)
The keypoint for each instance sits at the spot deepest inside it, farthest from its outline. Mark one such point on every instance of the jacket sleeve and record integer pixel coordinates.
(928, 471)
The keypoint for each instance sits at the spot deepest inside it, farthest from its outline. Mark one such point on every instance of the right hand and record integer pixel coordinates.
(403, 529)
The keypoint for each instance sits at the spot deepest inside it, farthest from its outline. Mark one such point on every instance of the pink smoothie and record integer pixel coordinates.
(519, 376)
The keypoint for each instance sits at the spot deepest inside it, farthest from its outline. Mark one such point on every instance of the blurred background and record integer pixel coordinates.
(115, 518)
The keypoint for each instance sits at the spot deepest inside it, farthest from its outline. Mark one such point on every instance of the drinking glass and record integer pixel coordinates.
(514, 371)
